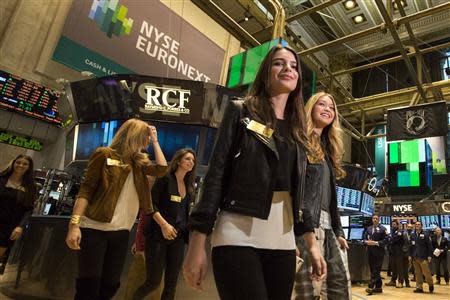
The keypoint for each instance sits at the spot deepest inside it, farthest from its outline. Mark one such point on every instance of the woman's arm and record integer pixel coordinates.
(73, 237)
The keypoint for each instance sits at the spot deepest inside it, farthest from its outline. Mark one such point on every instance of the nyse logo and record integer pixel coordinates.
(403, 208)
(167, 99)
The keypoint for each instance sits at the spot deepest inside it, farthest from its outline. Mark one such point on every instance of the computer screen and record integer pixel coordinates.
(348, 198)
(54, 195)
(47, 208)
(367, 204)
(356, 233)
(445, 221)
(385, 220)
(345, 221)
(359, 221)
(345, 233)
(429, 222)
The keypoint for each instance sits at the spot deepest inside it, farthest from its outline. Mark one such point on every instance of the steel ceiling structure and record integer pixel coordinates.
(323, 30)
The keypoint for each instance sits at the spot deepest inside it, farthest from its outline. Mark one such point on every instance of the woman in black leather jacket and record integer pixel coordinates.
(253, 189)
(320, 205)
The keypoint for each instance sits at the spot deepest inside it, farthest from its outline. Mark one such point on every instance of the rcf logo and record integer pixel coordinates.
(167, 99)
(110, 17)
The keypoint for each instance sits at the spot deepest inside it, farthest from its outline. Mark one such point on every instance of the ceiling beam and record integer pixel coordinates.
(396, 37)
(389, 60)
(376, 28)
(419, 56)
(302, 14)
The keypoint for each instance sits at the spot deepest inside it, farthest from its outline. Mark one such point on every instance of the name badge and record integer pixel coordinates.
(413, 242)
(260, 128)
(422, 235)
(399, 233)
(175, 198)
(112, 162)
(377, 229)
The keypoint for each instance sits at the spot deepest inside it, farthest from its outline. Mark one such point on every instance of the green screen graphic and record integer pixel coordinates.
(244, 66)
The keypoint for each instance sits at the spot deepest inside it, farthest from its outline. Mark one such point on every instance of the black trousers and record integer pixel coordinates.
(405, 264)
(438, 262)
(375, 263)
(161, 256)
(397, 263)
(100, 263)
(247, 273)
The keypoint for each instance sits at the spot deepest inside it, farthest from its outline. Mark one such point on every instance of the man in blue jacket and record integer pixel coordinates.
(375, 239)
(421, 252)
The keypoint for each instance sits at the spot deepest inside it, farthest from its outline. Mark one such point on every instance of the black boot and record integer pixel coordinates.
(108, 290)
(87, 288)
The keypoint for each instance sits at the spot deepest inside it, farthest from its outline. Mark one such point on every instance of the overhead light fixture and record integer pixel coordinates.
(247, 15)
(403, 3)
(350, 4)
(359, 19)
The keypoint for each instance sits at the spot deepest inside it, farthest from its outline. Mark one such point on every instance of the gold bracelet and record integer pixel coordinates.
(75, 219)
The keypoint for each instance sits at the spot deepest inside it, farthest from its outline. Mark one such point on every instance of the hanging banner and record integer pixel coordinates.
(380, 152)
(420, 121)
(108, 37)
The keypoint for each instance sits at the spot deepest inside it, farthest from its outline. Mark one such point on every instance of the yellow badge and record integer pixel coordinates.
(175, 198)
(260, 128)
(113, 162)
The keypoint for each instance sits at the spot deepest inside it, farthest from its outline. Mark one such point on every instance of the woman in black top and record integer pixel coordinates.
(253, 189)
(166, 234)
(17, 196)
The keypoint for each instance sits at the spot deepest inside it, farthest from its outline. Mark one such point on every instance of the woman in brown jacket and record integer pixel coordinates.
(114, 188)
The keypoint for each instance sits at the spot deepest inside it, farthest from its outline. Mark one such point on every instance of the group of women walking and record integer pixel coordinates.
(268, 198)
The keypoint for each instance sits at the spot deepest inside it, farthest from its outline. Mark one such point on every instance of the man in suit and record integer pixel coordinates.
(421, 252)
(375, 239)
(440, 245)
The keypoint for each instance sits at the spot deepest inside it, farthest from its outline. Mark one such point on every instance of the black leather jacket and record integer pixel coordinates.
(312, 204)
(241, 171)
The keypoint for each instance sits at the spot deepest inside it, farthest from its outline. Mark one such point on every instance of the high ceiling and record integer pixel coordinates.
(334, 37)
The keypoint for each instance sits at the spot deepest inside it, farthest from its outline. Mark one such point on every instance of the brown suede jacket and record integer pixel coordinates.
(104, 179)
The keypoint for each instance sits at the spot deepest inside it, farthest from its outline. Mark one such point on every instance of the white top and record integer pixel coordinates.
(275, 233)
(125, 213)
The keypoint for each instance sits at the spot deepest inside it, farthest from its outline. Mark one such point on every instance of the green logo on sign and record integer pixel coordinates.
(110, 17)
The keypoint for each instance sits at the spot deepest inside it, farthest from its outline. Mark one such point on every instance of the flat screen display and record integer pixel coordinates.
(345, 221)
(358, 221)
(367, 204)
(54, 195)
(385, 220)
(348, 198)
(356, 233)
(429, 222)
(28, 98)
(345, 233)
(445, 221)
(388, 228)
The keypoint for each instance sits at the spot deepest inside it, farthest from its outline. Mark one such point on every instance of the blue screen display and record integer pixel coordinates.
(429, 222)
(348, 198)
(445, 221)
(367, 204)
(356, 233)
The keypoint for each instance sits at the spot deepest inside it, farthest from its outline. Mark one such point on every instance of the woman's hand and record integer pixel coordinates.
(319, 266)
(343, 243)
(168, 231)
(195, 263)
(16, 233)
(73, 237)
(153, 134)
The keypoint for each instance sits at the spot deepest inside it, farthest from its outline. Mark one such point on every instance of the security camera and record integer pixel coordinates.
(87, 74)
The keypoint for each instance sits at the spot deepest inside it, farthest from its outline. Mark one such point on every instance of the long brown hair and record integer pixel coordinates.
(131, 140)
(27, 180)
(189, 178)
(259, 104)
(332, 134)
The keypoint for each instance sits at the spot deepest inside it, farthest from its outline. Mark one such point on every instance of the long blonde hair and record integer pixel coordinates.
(332, 134)
(131, 141)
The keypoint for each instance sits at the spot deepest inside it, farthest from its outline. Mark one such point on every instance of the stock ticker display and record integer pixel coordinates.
(28, 98)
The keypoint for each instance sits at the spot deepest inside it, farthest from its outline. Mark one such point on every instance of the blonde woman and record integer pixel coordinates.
(114, 188)
(320, 205)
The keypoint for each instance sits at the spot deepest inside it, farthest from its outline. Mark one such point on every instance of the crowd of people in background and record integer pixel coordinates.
(411, 250)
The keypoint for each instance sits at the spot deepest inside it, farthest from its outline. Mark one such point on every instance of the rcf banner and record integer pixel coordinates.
(420, 121)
